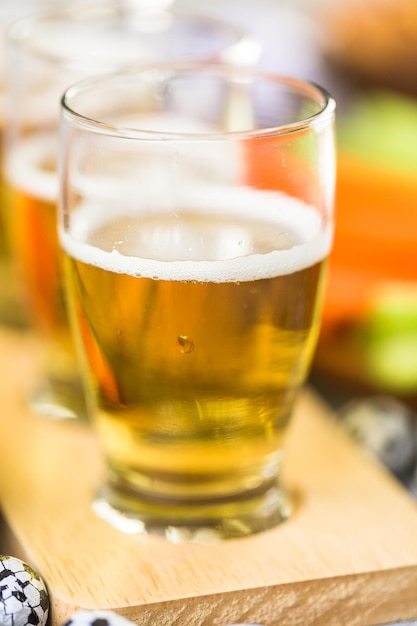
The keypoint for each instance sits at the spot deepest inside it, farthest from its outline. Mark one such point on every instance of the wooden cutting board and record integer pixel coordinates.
(347, 557)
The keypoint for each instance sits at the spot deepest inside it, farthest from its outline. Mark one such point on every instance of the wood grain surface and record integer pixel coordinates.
(348, 556)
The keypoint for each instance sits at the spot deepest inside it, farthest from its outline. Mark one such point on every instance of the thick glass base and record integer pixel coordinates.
(58, 399)
(201, 521)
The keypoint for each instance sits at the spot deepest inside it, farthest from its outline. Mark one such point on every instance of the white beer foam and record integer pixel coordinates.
(269, 206)
(25, 167)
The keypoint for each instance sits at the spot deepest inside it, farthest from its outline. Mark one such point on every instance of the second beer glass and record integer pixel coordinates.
(46, 53)
(196, 220)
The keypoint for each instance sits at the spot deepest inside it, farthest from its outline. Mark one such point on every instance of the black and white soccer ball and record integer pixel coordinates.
(97, 618)
(24, 599)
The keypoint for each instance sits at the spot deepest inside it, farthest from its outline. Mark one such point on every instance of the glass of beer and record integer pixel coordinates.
(196, 218)
(46, 53)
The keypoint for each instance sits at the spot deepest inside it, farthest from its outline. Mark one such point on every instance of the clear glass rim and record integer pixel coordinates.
(325, 102)
(19, 32)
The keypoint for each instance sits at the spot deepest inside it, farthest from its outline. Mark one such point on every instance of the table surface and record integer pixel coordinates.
(348, 555)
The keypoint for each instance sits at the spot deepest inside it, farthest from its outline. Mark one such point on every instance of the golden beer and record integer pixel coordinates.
(31, 211)
(197, 329)
(12, 300)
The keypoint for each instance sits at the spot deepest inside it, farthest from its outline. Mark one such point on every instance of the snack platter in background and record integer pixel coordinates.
(368, 343)
(369, 332)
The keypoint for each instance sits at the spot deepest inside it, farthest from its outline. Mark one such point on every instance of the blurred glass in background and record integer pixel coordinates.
(45, 54)
(13, 310)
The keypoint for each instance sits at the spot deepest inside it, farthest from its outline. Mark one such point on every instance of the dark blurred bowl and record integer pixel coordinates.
(373, 42)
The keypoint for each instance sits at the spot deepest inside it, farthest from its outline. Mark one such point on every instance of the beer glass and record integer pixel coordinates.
(46, 54)
(196, 218)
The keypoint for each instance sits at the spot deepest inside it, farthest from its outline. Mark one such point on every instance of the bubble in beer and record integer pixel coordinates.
(185, 344)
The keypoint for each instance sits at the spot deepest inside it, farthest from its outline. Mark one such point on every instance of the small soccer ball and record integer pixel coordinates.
(97, 618)
(24, 599)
